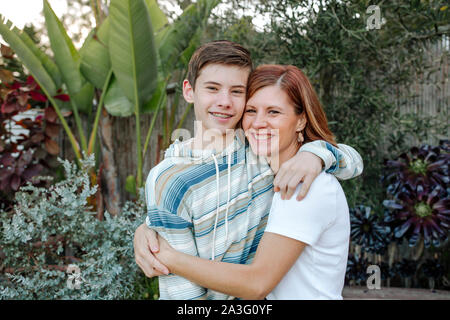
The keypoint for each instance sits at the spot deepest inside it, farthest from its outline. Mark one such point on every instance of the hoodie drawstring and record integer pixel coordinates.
(218, 202)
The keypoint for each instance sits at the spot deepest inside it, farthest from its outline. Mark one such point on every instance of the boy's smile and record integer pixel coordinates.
(218, 97)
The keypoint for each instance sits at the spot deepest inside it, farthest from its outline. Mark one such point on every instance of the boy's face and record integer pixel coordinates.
(219, 96)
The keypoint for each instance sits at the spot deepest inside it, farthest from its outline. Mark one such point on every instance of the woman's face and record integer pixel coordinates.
(270, 122)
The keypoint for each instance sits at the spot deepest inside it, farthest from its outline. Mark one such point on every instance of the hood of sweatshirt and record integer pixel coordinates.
(182, 152)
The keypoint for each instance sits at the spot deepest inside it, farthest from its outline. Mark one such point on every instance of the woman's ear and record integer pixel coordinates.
(188, 91)
(301, 123)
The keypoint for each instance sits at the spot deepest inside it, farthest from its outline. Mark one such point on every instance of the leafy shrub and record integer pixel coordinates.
(54, 247)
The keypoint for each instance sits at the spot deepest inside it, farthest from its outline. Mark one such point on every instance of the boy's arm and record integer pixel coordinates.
(178, 232)
(313, 157)
(176, 228)
(343, 162)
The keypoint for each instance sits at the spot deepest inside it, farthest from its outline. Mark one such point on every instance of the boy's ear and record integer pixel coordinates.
(188, 91)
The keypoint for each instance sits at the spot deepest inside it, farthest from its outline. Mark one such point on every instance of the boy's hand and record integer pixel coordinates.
(145, 244)
(303, 167)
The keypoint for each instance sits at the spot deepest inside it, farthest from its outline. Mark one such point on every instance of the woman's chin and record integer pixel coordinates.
(261, 151)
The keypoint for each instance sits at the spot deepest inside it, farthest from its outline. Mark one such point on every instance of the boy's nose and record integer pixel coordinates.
(224, 99)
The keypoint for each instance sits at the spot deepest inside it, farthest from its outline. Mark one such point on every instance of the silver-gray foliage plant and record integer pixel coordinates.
(50, 229)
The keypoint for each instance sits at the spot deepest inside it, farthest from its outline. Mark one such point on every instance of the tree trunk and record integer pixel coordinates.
(111, 194)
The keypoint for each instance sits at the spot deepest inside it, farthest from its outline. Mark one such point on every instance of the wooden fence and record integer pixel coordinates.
(429, 93)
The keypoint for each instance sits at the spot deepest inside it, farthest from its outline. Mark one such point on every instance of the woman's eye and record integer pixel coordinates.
(211, 88)
(238, 92)
(249, 111)
(274, 112)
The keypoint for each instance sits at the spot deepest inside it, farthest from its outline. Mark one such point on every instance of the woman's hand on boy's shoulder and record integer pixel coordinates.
(303, 167)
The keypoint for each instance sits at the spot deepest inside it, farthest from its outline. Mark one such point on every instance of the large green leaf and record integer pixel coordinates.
(95, 62)
(83, 98)
(46, 61)
(157, 16)
(116, 103)
(132, 50)
(176, 38)
(66, 56)
(157, 97)
(27, 53)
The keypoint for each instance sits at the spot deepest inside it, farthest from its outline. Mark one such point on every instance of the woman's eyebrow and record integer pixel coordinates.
(265, 107)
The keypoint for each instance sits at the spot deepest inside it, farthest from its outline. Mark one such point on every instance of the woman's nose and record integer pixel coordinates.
(259, 121)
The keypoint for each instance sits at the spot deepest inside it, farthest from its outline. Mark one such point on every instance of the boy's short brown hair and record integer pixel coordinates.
(220, 52)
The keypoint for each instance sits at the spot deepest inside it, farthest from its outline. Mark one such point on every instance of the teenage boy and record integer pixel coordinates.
(210, 196)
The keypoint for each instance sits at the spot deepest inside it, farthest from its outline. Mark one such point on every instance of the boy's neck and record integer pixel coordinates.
(212, 139)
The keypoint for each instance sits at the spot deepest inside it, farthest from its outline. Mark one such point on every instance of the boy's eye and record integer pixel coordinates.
(212, 88)
(238, 92)
(274, 112)
(249, 110)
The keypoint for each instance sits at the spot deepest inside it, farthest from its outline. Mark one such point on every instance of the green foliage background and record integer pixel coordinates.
(353, 69)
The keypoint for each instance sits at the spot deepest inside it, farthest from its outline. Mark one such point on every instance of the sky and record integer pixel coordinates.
(21, 12)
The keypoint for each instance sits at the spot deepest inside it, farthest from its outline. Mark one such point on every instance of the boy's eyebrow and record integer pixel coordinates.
(218, 84)
(212, 82)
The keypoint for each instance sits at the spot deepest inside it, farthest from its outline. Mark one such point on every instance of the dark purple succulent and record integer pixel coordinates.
(432, 268)
(367, 230)
(356, 269)
(422, 211)
(426, 164)
(386, 271)
(406, 268)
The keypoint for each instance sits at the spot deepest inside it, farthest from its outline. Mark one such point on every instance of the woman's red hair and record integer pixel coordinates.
(299, 89)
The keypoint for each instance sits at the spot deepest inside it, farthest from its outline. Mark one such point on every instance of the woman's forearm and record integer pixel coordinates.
(238, 280)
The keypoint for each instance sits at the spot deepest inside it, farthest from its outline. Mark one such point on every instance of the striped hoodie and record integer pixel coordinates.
(215, 205)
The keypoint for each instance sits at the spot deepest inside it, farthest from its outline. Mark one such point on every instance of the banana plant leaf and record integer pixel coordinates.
(67, 59)
(116, 103)
(42, 69)
(95, 63)
(157, 16)
(152, 105)
(132, 50)
(173, 40)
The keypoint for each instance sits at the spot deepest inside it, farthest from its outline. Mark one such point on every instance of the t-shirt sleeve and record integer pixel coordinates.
(307, 219)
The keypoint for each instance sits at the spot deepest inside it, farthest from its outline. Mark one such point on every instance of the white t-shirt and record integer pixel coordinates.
(321, 220)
